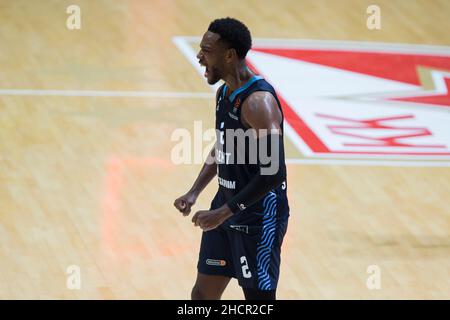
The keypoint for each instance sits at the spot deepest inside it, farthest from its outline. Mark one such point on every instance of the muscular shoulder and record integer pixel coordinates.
(260, 110)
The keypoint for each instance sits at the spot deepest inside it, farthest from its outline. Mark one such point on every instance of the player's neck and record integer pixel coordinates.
(238, 77)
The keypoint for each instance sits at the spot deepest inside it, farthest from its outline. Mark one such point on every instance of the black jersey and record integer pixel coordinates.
(236, 166)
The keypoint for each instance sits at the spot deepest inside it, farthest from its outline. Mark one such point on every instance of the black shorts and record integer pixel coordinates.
(249, 253)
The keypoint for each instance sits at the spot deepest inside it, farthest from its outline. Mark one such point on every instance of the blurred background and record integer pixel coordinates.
(91, 92)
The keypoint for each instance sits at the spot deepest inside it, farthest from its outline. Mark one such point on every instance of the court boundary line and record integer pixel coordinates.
(371, 163)
(106, 93)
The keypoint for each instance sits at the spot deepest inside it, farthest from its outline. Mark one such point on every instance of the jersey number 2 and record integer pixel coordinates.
(245, 270)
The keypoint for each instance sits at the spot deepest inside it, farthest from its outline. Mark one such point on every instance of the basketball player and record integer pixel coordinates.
(244, 228)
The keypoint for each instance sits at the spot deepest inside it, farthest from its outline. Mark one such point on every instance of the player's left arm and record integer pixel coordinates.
(260, 111)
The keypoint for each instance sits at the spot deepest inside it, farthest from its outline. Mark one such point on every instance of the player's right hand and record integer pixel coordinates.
(185, 203)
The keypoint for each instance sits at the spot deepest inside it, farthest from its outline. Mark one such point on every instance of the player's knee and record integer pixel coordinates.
(201, 293)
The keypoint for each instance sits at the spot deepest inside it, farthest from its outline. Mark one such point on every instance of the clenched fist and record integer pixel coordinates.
(185, 202)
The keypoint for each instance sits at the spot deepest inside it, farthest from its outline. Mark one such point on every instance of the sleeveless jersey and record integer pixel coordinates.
(236, 168)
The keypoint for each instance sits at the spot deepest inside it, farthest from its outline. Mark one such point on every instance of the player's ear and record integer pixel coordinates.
(230, 55)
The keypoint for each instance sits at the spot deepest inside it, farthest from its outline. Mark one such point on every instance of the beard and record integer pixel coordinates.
(213, 76)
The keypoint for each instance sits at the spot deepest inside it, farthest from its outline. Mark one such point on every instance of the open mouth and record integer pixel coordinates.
(206, 68)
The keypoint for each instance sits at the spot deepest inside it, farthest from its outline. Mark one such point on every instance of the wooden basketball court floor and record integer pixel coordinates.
(86, 177)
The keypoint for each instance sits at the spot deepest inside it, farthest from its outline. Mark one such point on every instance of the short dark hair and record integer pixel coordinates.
(234, 33)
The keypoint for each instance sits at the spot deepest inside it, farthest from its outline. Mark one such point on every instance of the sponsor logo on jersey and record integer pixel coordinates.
(242, 206)
(227, 184)
(232, 116)
(241, 228)
(215, 262)
(237, 103)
